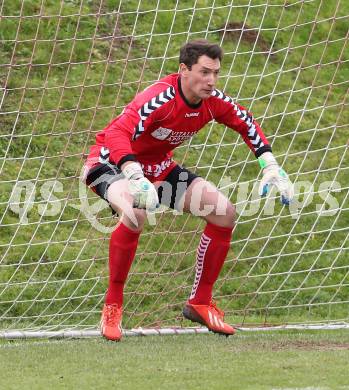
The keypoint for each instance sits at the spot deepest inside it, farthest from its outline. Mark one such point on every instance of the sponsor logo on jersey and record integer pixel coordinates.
(156, 169)
(191, 114)
(161, 133)
(177, 137)
(173, 137)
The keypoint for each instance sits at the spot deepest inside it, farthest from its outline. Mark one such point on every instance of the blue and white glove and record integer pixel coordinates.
(273, 174)
(143, 191)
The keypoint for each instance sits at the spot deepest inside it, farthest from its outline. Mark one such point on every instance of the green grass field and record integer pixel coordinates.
(262, 361)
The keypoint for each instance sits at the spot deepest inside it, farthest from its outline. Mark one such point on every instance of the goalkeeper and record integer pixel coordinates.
(131, 167)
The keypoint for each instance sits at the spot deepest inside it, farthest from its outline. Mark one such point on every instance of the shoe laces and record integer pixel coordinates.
(112, 315)
(220, 312)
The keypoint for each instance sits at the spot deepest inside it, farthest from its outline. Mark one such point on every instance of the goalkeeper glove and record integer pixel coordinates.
(273, 174)
(143, 191)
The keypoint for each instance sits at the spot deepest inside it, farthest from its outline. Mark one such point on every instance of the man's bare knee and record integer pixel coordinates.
(119, 196)
(230, 216)
(136, 221)
(121, 200)
(226, 219)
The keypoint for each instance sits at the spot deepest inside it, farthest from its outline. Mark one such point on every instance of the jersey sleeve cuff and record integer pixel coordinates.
(263, 149)
(128, 157)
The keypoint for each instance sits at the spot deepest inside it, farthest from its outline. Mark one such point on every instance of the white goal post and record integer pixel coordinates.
(68, 67)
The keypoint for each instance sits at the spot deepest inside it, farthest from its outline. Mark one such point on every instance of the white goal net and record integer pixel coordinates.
(68, 67)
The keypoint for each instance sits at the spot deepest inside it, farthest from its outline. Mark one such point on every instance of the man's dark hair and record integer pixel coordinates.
(192, 50)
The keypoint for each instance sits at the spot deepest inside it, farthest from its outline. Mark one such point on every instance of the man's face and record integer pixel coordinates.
(200, 81)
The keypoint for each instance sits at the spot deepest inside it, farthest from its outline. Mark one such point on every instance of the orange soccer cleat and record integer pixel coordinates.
(210, 316)
(111, 322)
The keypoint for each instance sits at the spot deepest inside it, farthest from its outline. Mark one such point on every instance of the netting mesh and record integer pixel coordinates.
(67, 68)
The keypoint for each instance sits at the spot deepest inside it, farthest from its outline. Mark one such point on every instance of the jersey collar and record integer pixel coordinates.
(197, 105)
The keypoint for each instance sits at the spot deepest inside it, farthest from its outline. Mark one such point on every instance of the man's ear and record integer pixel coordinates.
(183, 69)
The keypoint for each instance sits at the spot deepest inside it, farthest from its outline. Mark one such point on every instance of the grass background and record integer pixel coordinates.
(67, 68)
(262, 360)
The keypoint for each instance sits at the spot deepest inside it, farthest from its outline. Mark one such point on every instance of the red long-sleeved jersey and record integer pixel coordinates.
(160, 118)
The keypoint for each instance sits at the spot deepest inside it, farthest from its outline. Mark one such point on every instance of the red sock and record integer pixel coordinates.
(211, 253)
(122, 249)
